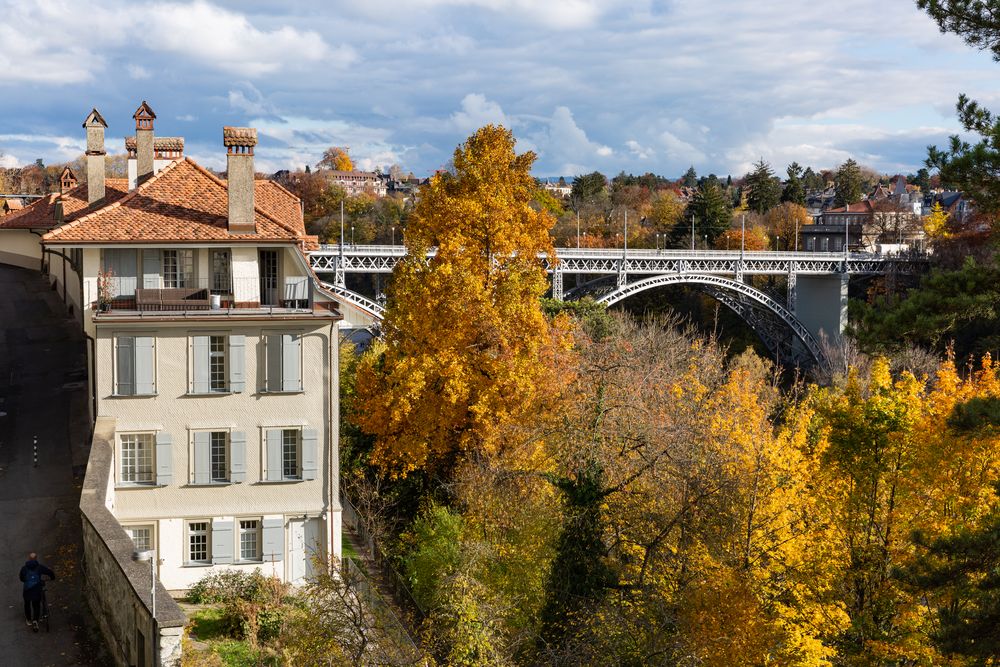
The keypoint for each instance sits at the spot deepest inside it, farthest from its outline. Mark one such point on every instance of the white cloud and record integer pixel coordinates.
(138, 72)
(8, 161)
(476, 112)
(638, 150)
(187, 118)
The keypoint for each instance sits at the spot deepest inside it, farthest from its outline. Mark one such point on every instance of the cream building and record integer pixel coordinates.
(214, 355)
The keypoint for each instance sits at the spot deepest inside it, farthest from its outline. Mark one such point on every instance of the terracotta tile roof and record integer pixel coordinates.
(159, 144)
(40, 214)
(858, 207)
(184, 202)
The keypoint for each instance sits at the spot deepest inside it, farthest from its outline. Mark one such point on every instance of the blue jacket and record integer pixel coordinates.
(34, 583)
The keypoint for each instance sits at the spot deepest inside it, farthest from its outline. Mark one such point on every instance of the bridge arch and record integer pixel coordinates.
(784, 335)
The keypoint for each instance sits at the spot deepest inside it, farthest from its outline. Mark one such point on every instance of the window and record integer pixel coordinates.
(290, 454)
(142, 537)
(198, 542)
(178, 268)
(135, 366)
(137, 458)
(219, 454)
(825, 244)
(250, 539)
(268, 260)
(284, 362)
(811, 244)
(217, 363)
(221, 272)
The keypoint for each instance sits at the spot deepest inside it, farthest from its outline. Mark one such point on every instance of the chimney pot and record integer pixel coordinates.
(95, 126)
(239, 143)
(144, 117)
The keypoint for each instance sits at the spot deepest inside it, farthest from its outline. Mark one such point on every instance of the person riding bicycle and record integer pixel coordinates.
(34, 587)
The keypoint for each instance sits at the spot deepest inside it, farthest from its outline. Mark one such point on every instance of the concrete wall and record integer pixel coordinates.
(21, 248)
(821, 304)
(175, 412)
(117, 588)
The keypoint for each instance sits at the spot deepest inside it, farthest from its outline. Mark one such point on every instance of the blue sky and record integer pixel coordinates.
(633, 85)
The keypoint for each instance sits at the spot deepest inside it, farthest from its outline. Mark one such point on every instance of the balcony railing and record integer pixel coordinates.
(125, 293)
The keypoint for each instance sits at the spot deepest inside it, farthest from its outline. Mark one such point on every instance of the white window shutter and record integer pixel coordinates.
(309, 453)
(273, 444)
(125, 362)
(291, 362)
(238, 456)
(145, 365)
(273, 371)
(202, 457)
(199, 364)
(164, 459)
(222, 541)
(237, 363)
(274, 539)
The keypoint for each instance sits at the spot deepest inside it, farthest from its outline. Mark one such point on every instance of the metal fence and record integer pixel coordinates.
(414, 613)
(381, 611)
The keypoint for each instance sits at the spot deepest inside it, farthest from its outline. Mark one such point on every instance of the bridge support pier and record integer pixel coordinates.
(557, 285)
(820, 303)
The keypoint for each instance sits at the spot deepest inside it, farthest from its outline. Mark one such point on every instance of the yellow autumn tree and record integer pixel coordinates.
(466, 342)
(336, 158)
(935, 225)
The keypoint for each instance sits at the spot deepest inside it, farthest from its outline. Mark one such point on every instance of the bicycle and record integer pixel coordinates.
(44, 620)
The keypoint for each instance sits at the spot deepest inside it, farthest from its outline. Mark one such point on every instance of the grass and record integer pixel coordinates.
(347, 548)
(208, 624)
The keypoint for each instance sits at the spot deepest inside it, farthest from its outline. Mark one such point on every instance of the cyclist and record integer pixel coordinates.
(34, 587)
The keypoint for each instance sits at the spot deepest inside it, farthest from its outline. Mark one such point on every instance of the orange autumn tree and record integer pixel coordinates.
(466, 341)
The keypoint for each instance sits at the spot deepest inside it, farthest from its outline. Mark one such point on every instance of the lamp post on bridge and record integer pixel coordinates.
(394, 235)
(692, 232)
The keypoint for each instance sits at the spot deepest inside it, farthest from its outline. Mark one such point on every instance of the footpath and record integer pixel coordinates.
(43, 396)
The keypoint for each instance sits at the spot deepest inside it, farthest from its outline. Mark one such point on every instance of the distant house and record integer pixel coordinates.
(10, 205)
(559, 187)
(356, 182)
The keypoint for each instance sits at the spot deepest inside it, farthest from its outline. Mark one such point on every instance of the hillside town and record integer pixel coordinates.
(623, 342)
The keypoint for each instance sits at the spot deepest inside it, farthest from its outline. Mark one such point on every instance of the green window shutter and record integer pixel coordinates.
(202, 457)
(151, 269)
(145, 365)
(222, 541)
(274, 539)
(199, 364)
(273, 371)
(125, 372)
(238, 456)
(237, 363)
(164, 459)
(273, 444)
(291, 362)
(309, 453)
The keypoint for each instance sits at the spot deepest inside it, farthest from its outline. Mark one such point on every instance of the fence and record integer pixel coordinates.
(411, 609)
(381, 611)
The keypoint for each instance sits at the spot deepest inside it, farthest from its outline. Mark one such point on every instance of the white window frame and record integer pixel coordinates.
(258, 533)
(227, 457)
(221, 282)
(297, 451)
(218, 361)
(178, 270)
(151, 527)
(189, 533)
(151, 436)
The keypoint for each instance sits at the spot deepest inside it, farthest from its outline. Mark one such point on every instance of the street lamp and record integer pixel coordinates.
(705, 238)
(352, 236)
(142, 557)
(394, 235)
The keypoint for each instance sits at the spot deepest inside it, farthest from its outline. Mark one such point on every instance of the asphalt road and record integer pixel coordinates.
(43, 396)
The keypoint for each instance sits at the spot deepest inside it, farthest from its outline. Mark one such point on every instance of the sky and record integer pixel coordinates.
(608, 85)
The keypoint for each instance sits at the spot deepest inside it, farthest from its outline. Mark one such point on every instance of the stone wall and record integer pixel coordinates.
(118, 588)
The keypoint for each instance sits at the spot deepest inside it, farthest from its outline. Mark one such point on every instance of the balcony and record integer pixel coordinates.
(205, 298)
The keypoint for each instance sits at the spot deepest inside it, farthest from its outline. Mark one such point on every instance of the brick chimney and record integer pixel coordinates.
(239, 143)
(144, 117)
(95, 155)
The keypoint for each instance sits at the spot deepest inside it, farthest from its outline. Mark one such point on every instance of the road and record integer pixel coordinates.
(42, 394)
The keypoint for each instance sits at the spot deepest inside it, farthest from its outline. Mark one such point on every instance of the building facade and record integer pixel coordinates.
(214, 350)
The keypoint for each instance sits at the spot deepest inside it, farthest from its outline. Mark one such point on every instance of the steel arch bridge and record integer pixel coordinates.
(769, 319)
(616, 274)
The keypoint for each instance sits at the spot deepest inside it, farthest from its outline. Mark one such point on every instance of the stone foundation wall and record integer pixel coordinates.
(118, 588)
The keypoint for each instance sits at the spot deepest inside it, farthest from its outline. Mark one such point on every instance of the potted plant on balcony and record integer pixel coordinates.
(105, 289)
